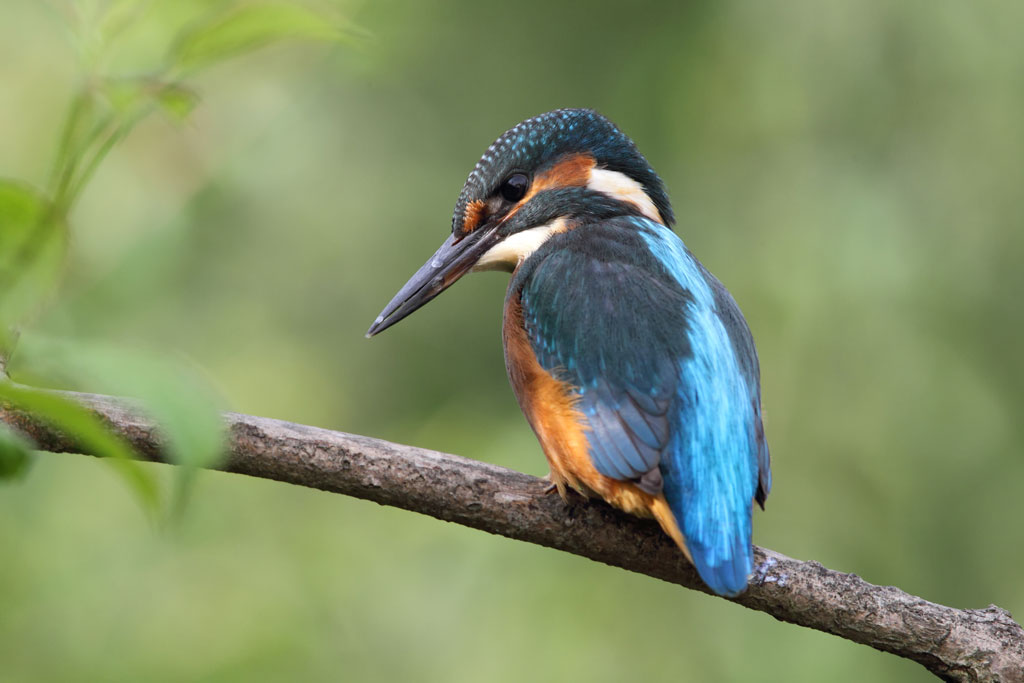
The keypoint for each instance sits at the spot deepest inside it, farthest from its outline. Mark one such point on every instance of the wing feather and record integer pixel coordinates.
(665, 371)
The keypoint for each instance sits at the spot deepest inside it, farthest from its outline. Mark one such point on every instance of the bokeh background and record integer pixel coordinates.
(852, 171)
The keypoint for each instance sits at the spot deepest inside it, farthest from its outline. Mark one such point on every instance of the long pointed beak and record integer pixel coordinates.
(454, 259)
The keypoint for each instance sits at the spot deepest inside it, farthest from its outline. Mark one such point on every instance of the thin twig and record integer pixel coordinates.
(956, 645)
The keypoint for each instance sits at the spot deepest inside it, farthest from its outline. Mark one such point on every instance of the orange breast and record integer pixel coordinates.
(549, 405)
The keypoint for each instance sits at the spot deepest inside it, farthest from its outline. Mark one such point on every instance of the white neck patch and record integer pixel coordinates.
(624, 189)
(514, 249)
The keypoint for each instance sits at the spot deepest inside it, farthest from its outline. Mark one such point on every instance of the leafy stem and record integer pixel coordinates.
(102, 111)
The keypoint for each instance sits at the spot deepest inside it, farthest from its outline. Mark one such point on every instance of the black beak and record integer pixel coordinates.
(454, 259)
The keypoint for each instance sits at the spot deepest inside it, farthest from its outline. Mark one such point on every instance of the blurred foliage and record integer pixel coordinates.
(15, 453)
(31, 248)
(851, 170)
(34, 231)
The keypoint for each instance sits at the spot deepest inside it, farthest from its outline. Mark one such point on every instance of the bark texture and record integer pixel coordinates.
(954, 644)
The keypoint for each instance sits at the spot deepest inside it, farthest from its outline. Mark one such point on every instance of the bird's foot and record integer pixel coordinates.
(552, 486)
(559, 485)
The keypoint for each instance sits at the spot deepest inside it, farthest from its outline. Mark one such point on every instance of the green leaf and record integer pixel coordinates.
(88, 430)
(247, 28)
(32, 247)
(173, 394)
(177, 100)
(15, 453)
(126, 95)
(130, 97)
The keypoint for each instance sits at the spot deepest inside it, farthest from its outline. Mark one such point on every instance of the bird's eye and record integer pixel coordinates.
(515, 186)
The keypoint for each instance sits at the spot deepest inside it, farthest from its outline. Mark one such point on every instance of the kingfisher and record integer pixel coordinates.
(632, 363)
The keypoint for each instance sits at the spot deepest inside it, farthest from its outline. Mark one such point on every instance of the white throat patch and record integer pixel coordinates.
(514, 249)
(624, 189)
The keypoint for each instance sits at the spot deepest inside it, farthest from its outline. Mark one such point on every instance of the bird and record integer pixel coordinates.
(631, 362)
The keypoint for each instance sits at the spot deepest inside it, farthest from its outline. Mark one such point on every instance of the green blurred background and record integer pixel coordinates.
(852, 170)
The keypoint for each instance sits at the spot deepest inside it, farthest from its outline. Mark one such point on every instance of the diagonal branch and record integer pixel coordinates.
(954, 644)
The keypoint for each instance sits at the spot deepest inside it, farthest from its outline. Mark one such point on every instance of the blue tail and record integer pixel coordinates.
(717, 530)
(710, 467)
(725, 565)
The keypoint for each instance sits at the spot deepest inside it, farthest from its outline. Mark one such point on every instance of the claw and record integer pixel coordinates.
(555, 485)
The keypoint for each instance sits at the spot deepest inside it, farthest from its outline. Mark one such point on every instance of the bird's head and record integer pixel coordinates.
(543, 176)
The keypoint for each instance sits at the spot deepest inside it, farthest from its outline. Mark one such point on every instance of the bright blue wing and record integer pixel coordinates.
(666, 374)
(746, 354)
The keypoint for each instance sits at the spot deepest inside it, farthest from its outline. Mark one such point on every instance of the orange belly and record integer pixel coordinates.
(549, 405)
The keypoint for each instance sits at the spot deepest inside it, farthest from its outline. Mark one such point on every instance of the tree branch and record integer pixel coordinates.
(955, 645)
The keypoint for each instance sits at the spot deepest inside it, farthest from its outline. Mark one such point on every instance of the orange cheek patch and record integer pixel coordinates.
(475, 212)
(572, 171)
